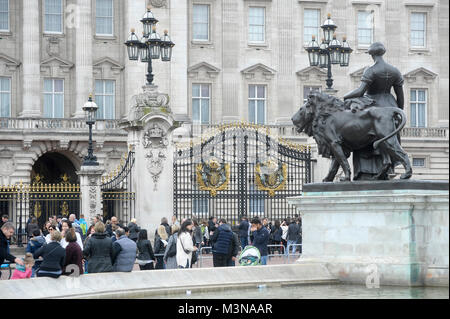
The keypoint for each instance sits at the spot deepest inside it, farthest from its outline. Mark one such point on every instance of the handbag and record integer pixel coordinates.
(172, 249)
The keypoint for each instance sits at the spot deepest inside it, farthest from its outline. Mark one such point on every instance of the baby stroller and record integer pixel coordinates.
(250, 256)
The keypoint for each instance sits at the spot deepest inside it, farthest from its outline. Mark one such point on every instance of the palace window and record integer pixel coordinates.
(5, 97)
(418, 162)
(105, 99)
(257, 104)
(418, 29)
(104, 17)
(201, 101)
(418, 107)
(200, 23)
(365, 28)
(4, 15)
(256, 24)
(53, 16)
(311, 25)
(53, 98)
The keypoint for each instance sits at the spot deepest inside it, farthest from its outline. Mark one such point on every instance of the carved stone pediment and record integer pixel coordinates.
(56, 66)
(427, 75)
(8, 65)
(358, 73)
(259, 68)
(205, 68)
(312, 73)
(107, 67)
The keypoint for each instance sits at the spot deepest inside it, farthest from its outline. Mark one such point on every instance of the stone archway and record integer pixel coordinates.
(52, 166)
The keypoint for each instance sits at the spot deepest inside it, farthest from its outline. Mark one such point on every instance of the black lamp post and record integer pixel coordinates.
(330, 51)
(90, 108)
(151, 46)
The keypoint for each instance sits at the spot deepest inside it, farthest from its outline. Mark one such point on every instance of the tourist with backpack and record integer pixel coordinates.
(84, 227)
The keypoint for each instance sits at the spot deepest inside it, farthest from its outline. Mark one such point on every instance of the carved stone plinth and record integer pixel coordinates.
(91, 198)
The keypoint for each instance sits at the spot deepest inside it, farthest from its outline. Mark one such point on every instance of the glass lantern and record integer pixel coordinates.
(328, 28)
(335, 50)
(148, 21)
(154, 42)
(345, 53)
(313, 52)
(133, 44)
(323, 54)
(90, 110)
(143, 49)
(166, 47)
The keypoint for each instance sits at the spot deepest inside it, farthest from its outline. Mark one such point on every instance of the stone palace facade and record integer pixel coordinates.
(234, 60)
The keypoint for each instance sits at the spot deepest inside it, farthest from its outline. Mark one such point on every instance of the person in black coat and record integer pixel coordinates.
(275, 237)
(243, 231)
(98, 250)
(133, 229)
(54, 257)
(146, 257)
(6, 231)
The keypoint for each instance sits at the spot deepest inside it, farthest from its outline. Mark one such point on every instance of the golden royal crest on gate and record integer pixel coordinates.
(213, 176)
(270, 176)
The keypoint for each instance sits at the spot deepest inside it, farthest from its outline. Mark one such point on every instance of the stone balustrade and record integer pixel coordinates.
(290, 131)
(55, 124)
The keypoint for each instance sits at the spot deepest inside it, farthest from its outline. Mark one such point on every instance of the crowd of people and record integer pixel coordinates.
(68, 245)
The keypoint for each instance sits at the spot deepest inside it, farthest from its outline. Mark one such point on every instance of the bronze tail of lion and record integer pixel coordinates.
(402, 124)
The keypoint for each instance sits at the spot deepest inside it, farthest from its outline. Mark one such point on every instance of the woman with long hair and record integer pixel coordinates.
(185, 245)
(145, 257)
(160, 246)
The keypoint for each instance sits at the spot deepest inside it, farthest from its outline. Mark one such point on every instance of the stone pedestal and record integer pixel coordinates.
(150, 124)
(387, 232)
(91, 198)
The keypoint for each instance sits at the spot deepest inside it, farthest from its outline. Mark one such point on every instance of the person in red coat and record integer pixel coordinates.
(74, 255)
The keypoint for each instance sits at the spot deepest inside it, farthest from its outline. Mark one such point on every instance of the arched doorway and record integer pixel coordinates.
(55, 189)
(54, 168)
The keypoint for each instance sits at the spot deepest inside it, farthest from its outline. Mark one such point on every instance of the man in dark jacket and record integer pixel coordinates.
(222, 241)
(5, 219)
(98, 250)
(36, 242)
(293, 235)
(260, 238)
(114, 221)
(6, 232)
(124, 252)
(243, 231)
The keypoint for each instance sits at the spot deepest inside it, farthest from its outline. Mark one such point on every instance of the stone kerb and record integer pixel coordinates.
(144, 283)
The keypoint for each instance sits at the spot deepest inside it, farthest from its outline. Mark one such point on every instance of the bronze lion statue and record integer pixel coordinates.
(339, 128)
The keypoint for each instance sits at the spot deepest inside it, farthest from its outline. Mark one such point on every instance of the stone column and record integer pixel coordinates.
(178, 32)
(84, 80)
(91, 197)
(31, 60)
(134, 70)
